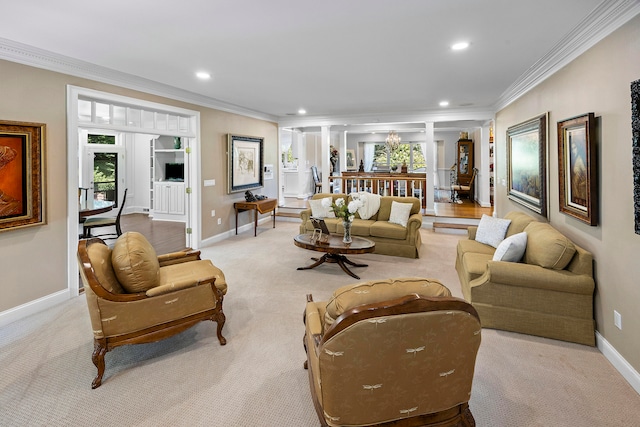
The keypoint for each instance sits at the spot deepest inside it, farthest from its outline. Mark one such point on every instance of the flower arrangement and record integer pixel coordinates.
(341, 208)
(333, 152)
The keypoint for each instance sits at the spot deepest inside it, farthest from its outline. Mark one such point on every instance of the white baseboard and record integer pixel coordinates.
(33, 307)
(230, 233)
(618, 362)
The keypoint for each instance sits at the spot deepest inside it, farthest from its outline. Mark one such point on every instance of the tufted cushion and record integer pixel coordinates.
(491, 231)
(350, 296)
(547, 247)
(512, 248)
(135, 262)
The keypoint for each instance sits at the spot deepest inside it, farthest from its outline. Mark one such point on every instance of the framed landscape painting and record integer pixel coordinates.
(527, 164)
(577, 168)
(245, 162)
(21, 174)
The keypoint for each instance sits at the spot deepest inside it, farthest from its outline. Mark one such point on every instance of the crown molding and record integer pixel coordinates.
(425, 116)
(40, 58)
(602, 21)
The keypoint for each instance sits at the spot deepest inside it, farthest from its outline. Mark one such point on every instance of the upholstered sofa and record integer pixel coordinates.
(390, 238)
(548, 292)
(389, 352)
(135, 296)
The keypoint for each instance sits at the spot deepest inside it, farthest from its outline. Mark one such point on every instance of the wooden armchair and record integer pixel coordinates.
(457, 189)
(399, 352)
(135, 296)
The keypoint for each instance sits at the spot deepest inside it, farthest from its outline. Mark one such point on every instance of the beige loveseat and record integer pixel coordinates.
(395, 352)
(548, 293)
(390, 239)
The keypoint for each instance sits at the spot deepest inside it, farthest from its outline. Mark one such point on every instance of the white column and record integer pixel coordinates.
(325, 135)
(432, 162)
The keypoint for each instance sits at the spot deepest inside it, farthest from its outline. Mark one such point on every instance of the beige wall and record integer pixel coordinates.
(598, 81)
(33, 261)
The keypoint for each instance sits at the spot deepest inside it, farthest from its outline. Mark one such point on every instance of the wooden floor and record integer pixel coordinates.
(164, 236)
(466, 209)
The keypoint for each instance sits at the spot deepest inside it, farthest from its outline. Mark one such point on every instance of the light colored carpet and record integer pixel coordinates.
(257, 379)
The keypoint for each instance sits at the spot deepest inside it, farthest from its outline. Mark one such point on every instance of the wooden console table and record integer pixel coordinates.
(260, 206)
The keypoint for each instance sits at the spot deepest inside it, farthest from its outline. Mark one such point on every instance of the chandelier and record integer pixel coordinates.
(393, 141)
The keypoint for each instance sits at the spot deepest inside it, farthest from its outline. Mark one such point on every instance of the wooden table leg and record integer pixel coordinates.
(255, 225)
(339, 259)
(236, 221)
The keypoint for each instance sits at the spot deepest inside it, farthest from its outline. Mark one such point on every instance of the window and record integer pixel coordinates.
(410, 152)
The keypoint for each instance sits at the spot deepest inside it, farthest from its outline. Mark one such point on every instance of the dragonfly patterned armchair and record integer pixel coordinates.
(395, 352)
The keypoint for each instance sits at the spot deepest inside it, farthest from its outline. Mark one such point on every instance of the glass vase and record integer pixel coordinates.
(347, 231)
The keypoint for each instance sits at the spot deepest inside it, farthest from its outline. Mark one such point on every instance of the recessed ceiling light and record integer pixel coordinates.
(444, 103)
(203, 75)
(460, 46)
(302, 111)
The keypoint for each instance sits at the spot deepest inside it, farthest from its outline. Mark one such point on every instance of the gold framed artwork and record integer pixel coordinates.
(21, 174)
(527, 163)
(578, 183)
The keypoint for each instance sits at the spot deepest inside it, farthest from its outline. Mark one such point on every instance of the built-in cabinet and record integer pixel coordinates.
(169, 198)
(464, 161)
(167, 172)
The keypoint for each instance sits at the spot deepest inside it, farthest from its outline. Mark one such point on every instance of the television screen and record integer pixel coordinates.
(174, 171)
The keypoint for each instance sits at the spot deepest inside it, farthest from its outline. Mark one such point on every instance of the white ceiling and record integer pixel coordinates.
(334, 58)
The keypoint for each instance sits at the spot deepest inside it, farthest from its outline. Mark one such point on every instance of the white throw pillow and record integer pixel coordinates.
(400, 213)
(491, 231)
(319, 211)
(512, 248)
(370, 204)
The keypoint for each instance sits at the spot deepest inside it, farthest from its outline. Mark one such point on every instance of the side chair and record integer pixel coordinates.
(456, 189)
(97, 222)
(316, 180)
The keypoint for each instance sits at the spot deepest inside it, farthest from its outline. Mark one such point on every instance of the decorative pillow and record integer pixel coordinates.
(512, 248)
(349, 296)
(319, 211)
(370, 204)
(491, 231)
(135, 262)
(400, 213)
(547, 247)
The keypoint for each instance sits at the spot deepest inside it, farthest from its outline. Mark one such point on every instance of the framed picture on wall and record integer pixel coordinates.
(635, 150)
(527, 164)
(578, 184)
(351, 159)
(21, 174)
(246, 162)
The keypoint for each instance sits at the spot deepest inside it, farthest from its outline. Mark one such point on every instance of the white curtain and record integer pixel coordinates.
(369, 151)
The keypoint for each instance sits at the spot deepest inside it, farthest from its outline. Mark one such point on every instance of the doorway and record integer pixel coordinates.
(101, 166)
(90, 111)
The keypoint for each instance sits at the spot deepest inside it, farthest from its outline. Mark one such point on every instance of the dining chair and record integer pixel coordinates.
(316, 180)
(457, 189)
(97, 222)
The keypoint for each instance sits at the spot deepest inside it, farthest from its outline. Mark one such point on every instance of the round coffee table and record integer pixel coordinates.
(335, 250)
